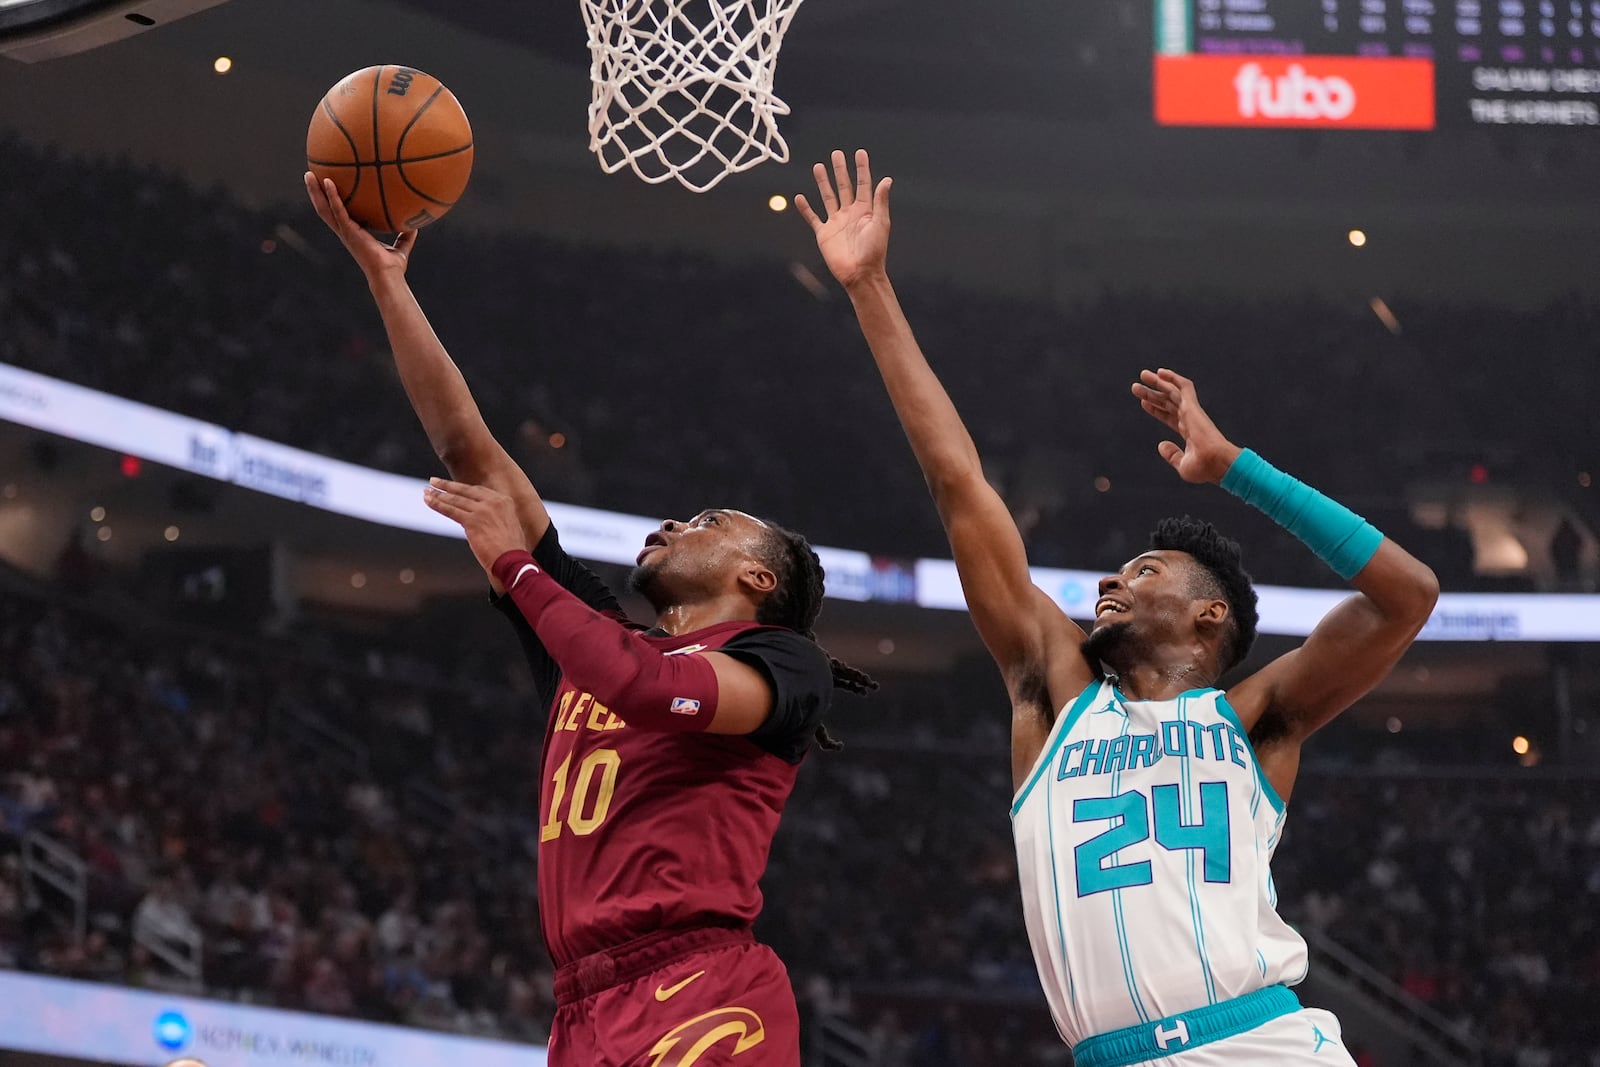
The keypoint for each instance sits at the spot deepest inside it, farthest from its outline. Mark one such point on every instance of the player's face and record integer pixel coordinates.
(703, 554)
(1145, 603)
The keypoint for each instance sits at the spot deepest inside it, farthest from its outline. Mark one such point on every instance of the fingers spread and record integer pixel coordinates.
(1168, 418)
(830, 202)
(1154, 397)
(863, 171)
(841, 174)
(804, 210)
(880, 199)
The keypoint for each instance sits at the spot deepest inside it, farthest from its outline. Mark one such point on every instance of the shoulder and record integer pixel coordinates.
(779, 647)
(1252, 698)
(759, 635)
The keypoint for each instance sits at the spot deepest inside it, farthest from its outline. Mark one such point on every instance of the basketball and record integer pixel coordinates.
(397, 145)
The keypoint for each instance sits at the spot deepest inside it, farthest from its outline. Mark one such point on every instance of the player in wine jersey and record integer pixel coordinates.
(1148, 801)
(669, 751)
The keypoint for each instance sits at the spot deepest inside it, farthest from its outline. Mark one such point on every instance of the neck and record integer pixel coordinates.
(692, 615)
(1163, 678)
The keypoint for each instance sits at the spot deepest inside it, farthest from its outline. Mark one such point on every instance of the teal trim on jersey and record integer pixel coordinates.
(1064, 728)
(1124, 947)
(1126, 952)
(1185, 1031)
(1184, 812)
(1266, 787)
(1055, 887)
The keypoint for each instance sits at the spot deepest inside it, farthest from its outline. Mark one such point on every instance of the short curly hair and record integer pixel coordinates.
(1221, 575)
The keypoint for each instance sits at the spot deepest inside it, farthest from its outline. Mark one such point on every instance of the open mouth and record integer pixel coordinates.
(1106, 607)
(651, 543)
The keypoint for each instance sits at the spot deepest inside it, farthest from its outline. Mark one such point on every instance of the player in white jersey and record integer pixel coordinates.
(1148, 802)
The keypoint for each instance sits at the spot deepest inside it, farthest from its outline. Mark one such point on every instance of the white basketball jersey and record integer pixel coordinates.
(1144, 837)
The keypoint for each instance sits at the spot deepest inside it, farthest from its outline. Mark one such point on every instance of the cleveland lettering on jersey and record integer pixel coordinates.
(581, 710)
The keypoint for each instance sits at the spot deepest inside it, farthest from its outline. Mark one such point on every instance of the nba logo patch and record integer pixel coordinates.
(684, 706)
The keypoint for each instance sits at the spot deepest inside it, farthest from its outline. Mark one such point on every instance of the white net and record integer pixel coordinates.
(683, 88)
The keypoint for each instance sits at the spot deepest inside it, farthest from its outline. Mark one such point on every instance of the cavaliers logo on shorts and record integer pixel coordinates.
(685, 1043)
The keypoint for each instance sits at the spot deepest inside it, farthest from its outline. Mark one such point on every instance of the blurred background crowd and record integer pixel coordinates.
(324, 822)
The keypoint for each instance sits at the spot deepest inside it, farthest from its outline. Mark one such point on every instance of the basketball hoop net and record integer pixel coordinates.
(683, 88)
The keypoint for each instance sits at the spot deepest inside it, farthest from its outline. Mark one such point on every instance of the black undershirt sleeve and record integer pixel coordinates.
(802, 687)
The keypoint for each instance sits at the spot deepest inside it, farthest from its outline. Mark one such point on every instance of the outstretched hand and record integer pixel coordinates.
(1206, 454)
(854, 238)
(372, 255)
(489, 518)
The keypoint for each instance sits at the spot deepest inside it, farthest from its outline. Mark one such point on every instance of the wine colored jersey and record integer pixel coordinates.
(642, 830)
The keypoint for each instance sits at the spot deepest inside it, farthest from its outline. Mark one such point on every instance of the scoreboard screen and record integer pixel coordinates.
(1377, 64)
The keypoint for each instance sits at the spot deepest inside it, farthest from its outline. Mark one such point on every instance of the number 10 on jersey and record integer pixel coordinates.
(592, 789)
(1133, 825)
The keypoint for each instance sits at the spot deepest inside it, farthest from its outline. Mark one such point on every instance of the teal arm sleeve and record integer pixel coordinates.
(1340, 538)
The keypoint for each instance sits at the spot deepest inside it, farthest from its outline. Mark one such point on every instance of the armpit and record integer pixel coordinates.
(1030, 694)
(1271, 728)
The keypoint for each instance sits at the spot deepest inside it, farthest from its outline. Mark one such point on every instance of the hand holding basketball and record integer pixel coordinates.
(374, 257)
(1206, 454)
(854, 240)
(396, 143)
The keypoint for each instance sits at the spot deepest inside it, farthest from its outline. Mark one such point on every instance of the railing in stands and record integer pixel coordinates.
(312, 731)
(181, 946)
(426, 801)
(833, 1042)
(1428, 1032)
(46, 862)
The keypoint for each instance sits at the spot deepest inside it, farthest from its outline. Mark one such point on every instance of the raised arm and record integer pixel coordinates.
(438, 393)
(1030, 637)
(1358, 643)
(646, 687)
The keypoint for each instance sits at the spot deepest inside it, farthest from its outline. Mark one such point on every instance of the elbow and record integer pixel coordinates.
(954, 478)
(1423, 586)
(459, 457)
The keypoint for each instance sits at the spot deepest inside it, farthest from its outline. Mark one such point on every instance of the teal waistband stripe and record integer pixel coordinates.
(1184, 1031)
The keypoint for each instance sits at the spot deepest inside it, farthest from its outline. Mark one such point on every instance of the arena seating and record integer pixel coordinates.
(389, 875)
(672, 378)
(356, 836)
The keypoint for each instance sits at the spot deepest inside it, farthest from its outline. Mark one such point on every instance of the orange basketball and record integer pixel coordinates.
(396, 143)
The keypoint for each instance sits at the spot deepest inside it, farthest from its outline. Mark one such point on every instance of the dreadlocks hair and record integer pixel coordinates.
(796, 601)
(1223, 577)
